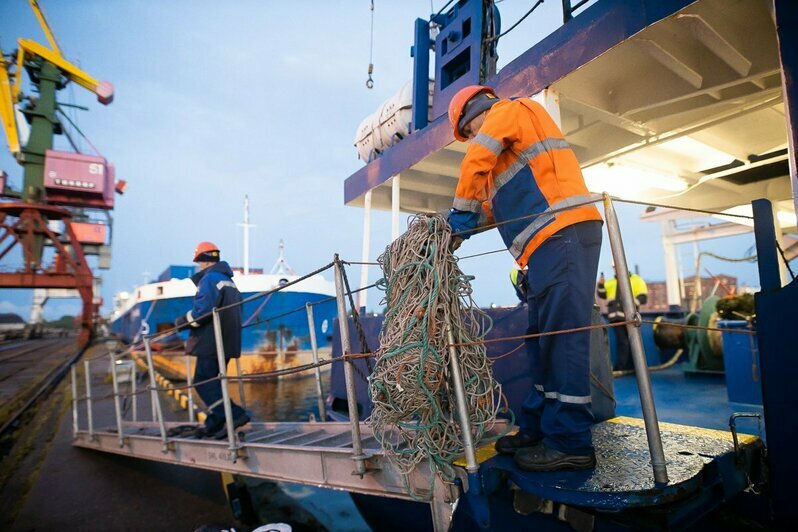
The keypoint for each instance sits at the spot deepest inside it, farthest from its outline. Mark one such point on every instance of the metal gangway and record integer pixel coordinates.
(338, 455)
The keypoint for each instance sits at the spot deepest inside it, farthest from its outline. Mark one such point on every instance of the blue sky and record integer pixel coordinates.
(215, 100)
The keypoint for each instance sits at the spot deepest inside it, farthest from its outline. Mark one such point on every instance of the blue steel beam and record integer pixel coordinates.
(786, 13)
(776, 315)
(420, 53)
(775, 306)
(599, 28)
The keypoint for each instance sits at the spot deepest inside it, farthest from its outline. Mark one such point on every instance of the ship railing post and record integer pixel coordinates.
(117, 405)
(73, 372)
(134, 398)
(472, 466)
(190, 391)
(228, 408)
(636, 343)
(351, 395)
(241, 395)
(151, 378)
(89, 413)
(317, 370)
(154, 397)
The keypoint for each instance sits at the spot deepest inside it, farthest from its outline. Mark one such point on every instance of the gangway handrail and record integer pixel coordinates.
(633, 322)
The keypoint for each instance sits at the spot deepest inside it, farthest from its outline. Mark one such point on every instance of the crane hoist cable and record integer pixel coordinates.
(519, 21)
(370, 81)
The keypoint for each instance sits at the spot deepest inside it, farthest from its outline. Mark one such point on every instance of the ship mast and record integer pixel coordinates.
(246, 225)
(281, 267)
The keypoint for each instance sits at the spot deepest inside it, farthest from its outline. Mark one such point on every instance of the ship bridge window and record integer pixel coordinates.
(456, 68)
(160, 290)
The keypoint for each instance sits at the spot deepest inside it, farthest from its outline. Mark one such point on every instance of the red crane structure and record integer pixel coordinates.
(62, 192)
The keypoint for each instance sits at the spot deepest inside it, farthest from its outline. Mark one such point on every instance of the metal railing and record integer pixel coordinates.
(632, 322)
(234, 445)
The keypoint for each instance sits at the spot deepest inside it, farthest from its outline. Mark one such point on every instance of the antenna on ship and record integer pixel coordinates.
(281, 267)
(246, 225)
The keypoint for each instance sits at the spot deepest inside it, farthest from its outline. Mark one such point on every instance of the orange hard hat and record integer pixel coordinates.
(458, 106)
(206, 247)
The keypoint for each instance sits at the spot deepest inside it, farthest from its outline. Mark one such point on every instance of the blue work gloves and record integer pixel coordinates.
(463, 222)
(181, 322)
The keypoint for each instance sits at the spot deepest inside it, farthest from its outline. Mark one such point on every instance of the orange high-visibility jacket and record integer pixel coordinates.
(519, 164)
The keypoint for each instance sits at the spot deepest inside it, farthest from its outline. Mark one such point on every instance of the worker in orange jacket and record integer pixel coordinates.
(517, 173)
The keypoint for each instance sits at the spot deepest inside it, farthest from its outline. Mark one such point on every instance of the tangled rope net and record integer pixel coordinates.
(414, 410)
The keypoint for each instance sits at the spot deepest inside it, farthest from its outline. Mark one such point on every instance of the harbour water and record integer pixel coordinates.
(283, 400)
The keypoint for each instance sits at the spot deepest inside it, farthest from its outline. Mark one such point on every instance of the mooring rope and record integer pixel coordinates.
(414, 411)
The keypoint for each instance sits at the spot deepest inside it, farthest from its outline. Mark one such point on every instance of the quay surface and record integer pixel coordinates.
(49, 484)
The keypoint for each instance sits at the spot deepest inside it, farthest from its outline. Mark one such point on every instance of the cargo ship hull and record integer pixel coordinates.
(275, 327)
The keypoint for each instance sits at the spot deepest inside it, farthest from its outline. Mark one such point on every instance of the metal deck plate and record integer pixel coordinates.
(623, 477)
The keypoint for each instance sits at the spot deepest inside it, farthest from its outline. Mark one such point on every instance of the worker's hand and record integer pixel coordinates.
(180, 322)
(463, 223)
(454, 243)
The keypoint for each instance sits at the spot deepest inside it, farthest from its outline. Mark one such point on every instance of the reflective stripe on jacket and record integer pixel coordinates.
(519, 164)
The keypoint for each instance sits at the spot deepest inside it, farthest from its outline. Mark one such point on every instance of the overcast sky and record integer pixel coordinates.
(215, 100)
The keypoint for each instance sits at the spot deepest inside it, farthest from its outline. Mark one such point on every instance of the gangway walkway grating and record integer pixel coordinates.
(312, 453)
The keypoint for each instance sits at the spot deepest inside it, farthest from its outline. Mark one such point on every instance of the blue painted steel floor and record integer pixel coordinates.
(687, 399)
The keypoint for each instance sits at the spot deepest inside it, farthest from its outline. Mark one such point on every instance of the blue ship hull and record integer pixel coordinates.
(276, 323)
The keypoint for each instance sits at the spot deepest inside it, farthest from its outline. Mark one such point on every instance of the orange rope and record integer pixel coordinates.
(700, 328)
(508, 353)
(547, 333)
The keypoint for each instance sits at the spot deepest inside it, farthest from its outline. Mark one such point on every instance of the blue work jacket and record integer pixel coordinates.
(215, 289)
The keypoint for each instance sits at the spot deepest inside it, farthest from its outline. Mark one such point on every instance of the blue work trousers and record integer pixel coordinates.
(211, 393)
(560, 294)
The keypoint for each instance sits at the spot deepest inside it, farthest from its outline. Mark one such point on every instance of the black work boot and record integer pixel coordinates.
(510, 444)
(201, 433)
(239, 421)
(542, 458)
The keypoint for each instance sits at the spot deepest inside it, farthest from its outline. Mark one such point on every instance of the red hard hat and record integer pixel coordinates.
(458, 104)
(205, 247)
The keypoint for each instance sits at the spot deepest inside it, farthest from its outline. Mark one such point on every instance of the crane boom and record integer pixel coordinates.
(27, 48)
(34, 4)
(7, 116)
